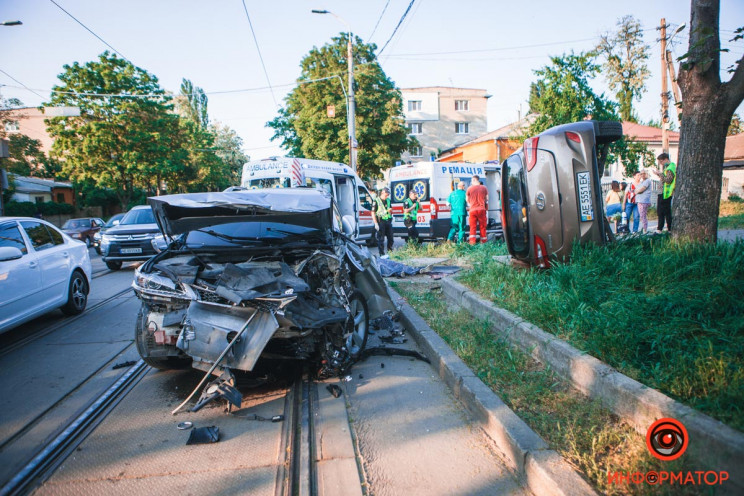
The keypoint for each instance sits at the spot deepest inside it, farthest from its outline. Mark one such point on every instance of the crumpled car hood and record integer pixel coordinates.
(177, 214)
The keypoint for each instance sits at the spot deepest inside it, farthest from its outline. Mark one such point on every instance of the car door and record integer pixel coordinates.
(53, 258)
(20, 280)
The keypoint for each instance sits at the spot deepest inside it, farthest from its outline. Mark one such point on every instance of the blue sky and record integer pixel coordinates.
(492, 45)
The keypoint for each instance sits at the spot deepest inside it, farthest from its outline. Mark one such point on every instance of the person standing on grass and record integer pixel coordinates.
(383, 218)
(477, 197)
(458, 211)
(643, 199)
(668, 176)
(411, 207)
(630, 207)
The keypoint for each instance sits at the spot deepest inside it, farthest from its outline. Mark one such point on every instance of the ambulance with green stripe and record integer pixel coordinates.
(433, 182)
(339, 180)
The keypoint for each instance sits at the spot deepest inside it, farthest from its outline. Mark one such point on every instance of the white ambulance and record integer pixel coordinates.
(352, 196)
(434, 181)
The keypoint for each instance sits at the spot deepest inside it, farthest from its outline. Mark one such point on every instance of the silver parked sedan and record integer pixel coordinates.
(41, 269)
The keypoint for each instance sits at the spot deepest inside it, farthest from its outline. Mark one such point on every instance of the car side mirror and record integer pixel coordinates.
(9, 253)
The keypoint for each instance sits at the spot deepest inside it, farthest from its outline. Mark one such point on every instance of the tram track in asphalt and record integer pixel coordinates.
(51, 455)
(20, 343)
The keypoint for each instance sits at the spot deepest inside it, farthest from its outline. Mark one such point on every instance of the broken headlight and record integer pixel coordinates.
(157, 284)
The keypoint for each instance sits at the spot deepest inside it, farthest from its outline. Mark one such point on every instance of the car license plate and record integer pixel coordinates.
(586, 210)
(131, 250)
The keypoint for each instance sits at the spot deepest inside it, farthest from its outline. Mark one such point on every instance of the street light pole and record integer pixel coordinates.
(351, 106)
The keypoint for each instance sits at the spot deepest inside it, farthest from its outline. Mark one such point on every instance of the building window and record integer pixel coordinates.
(416, 128)
(461, 105)
(462, 128)
(39, 199)
(416, 151)
(11, 126)
(60, 197)
(414, 105)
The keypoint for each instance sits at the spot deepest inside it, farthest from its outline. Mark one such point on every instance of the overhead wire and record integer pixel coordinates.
(23, 85)
(259, 53)
(91, 32)
(405, 26)
(378, 20)
(396, 27)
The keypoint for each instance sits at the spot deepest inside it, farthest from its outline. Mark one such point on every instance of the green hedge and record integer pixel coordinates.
(29, 209)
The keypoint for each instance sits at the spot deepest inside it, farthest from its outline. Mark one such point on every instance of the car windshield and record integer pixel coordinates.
(76, 223)
(517, 223)
(113, 219)
(138, 216)
(251, 234)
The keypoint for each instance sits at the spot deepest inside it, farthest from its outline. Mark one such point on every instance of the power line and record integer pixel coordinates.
(396, 27)
(26, 87)
(91, 32)
(378, 20)
(259, 53)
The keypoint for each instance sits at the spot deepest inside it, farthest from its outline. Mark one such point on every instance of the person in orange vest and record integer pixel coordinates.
(477, 197)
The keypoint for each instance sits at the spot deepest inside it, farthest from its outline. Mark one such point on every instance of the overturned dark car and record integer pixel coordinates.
(256, 274)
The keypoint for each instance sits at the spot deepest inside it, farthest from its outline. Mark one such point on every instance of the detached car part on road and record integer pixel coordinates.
(551, 194)
(257, 273)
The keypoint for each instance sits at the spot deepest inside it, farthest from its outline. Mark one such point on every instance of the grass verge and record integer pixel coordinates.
(587, 435)
(666, 314)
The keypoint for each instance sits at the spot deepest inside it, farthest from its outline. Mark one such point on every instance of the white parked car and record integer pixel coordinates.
(41, 269)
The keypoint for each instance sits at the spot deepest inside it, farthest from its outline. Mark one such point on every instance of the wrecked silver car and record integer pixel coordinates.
(256, 274)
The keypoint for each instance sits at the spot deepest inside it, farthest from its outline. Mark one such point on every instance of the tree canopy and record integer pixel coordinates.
(625, 54)
(122, 141)
(562, 93)
(305, 128)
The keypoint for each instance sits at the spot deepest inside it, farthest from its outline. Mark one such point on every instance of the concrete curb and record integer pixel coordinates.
(711, 442)
(544, 470)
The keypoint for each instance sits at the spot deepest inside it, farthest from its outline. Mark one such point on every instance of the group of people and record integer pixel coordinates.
(635, 198)
(471, 205)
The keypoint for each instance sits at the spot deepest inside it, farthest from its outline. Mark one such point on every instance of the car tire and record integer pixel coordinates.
(113, 264)
(607, 131)
(98, 249)
(77, 295)
(357, 340)
(145, 342)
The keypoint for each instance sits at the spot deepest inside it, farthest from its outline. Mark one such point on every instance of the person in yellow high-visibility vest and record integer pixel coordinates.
(668, 176)
(383, 217)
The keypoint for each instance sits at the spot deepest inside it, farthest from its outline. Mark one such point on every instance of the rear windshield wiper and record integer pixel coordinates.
(293, 235)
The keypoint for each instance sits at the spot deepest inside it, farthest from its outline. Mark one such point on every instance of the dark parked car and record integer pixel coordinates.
(83, 229)
(131, 240)
(113, 221)
(257, 273)
(551, 193)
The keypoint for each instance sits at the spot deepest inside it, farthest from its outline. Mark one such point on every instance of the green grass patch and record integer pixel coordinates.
(590, 437)
(666, 314)
(735, 221)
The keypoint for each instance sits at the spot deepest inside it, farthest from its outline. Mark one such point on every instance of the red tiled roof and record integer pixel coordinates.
(734, 147)
(639, 132)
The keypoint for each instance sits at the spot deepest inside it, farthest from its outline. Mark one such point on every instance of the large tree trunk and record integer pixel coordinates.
(708, 106)
(699, 172)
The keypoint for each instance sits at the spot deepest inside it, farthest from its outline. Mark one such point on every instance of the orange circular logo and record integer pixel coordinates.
(667, 439)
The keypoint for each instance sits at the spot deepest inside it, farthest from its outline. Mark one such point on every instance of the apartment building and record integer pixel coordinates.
(441, 118)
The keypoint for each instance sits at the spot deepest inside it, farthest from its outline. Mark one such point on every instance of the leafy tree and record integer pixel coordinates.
(736, 126)
(562, 93)
(28, 159)
(625, 68)
(307, 131)
(228, 147)
(120, 142)
(192, 104)
(708, 105)
(7, 105)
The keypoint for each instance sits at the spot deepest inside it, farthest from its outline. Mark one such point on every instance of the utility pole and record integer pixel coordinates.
(352, 107)
(664, 91)
(675, 86)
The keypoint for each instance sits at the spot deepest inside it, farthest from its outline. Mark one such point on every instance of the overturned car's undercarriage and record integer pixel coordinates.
(287, 296)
